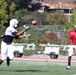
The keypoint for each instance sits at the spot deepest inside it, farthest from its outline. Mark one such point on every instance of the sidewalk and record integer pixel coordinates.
(45, 58)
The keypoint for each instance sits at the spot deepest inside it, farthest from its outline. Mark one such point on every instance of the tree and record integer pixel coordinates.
(6, 13)
(3, 12)
(52, 38)
(20, 14)
(19, 3)
(70, 25)
(11, 10)
(56, 19)
(3, 15)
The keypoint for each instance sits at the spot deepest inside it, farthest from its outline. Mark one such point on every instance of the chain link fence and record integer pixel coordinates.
(43, 30)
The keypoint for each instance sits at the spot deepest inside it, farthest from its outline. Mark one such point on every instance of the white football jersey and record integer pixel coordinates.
(10, 33)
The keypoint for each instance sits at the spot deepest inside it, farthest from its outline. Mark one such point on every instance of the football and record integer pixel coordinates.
(34, 22)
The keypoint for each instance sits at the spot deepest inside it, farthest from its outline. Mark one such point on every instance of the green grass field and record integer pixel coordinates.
(36, 68)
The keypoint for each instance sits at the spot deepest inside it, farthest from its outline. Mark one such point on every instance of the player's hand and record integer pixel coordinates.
(26, 27)
(2, 36)
(26, 34)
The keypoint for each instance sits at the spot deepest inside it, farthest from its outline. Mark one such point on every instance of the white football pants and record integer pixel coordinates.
(6, 51)
(71, 50)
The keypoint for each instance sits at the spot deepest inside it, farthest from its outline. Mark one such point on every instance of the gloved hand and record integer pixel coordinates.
(26, 34)
(2, 36)
(26, 27)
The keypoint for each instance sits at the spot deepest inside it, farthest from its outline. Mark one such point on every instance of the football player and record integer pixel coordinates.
(7, 42)
(72, 48)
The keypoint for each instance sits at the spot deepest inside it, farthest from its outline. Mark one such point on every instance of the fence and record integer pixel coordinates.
(43, 30)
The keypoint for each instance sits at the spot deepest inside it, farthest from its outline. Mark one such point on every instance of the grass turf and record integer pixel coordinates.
(36, 68)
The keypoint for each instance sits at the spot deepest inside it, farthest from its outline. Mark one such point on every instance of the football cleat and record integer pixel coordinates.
(8, 61)
(68, 67)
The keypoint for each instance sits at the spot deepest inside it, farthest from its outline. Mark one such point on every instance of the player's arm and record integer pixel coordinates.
(20, 33)
(21, 37)
(71, 36)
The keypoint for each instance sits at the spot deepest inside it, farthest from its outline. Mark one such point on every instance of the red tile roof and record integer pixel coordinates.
(59, 5)
(55, 4)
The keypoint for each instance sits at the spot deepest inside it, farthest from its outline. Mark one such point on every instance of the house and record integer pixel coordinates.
(64, 5)
(47, 5)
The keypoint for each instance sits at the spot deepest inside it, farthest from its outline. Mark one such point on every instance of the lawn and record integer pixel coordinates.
(36, 68)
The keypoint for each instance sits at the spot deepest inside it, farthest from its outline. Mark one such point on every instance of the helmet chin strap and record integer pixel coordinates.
(15, 25)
